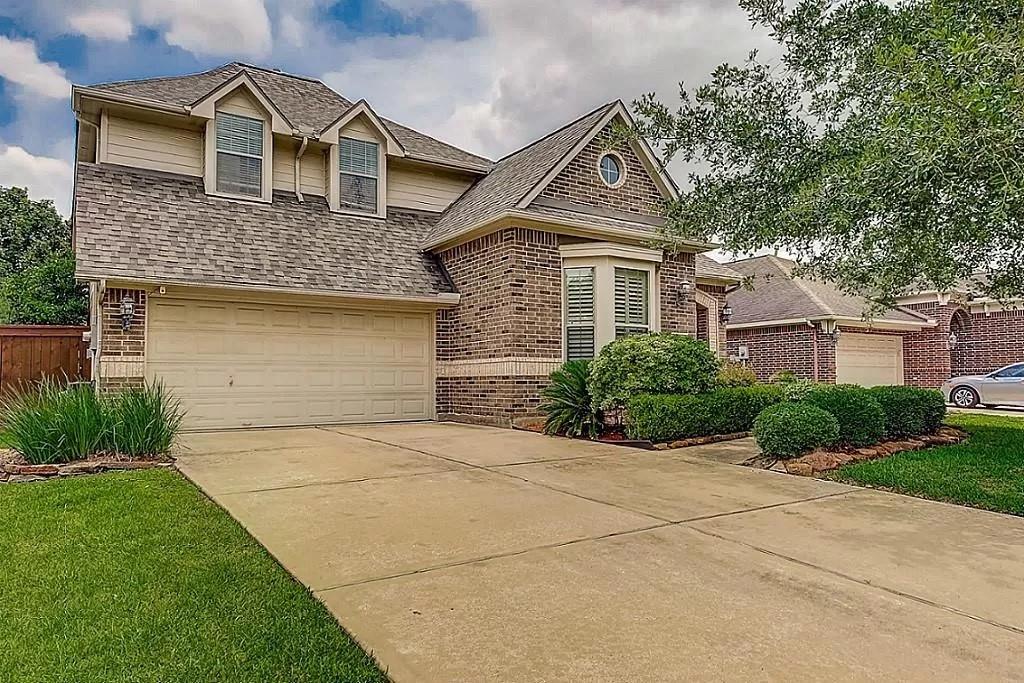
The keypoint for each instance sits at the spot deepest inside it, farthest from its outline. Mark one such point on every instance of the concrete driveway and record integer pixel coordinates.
(463, 553)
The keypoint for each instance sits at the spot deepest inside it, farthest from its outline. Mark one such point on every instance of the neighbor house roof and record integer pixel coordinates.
(146, 225)
(512, 177)
(778, 295)
(308, 104)
(710, 268)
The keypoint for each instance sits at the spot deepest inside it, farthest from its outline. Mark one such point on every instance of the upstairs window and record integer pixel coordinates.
(358, 175)
(631, 307)
(579, 313)
(239, 155)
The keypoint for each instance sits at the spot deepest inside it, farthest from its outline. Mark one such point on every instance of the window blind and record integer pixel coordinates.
(359, 173)
(239, 155)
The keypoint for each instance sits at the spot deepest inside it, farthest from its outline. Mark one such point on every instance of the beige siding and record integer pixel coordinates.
(360, 128)
(241, 103)
(155, 146)
(313, 167)
(424, 190)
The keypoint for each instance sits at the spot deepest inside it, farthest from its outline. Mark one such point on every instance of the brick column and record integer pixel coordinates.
(122, 352)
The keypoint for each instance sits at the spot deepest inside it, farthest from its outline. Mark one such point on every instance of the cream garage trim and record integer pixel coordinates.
(869, 359)
(251, 364)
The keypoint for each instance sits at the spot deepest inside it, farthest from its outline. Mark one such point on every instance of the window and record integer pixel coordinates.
(611, 170)
(579, 313)
(239, 155)
(357, 181)
(631, 316)
(1011, 372)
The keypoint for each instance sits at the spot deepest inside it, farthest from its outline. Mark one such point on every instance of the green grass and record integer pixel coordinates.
(138, 577)
(986, 471)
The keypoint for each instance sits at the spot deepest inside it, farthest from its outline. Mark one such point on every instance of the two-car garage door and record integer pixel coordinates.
(238, 364)
(869, 359)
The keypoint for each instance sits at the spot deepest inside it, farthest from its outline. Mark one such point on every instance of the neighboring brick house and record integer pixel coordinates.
(280, 255)
(788, 323)
(781, 322)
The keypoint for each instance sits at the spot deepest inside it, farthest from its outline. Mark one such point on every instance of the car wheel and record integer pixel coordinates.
(964, 397)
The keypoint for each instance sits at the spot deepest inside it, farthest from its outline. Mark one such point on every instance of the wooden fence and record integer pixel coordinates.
(28, 353)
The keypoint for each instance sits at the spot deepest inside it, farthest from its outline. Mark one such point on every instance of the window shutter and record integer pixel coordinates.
(579, 313)
(630, 302)
(239, 155)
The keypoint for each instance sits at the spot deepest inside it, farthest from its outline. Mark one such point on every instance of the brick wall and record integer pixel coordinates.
(988, 342)
(678, 311)
(703, 314)
(510, 312)
(926, 356)
(122, 352)
(580, 182)
(788, 347)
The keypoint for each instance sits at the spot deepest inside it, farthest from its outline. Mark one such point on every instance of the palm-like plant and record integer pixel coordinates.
(568, 404)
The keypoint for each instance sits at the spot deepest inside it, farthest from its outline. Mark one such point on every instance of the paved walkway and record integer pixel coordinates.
(461, 553)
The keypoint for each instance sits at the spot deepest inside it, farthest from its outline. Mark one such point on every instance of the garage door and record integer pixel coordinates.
(869, 359)
(237, 364)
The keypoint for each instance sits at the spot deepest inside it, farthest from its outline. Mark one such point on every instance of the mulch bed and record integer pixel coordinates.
(14, 468)
(821, 461)
(615, 435)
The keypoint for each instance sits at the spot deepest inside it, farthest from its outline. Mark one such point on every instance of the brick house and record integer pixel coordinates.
(280, 255)
(781, 322)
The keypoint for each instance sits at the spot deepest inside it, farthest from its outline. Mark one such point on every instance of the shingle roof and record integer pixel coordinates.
(778, 295)
(708, 267)
(307, 103)
(134, 223)
(513, 177)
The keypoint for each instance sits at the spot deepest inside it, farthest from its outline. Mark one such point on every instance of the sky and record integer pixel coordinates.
(486, 75)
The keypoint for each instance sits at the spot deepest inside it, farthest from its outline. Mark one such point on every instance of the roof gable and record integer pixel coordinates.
(206, 105)
(362, 109)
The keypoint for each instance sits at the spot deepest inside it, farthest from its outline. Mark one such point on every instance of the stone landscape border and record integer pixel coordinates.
(16, 472)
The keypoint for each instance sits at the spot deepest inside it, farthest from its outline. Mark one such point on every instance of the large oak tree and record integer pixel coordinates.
(884, 148)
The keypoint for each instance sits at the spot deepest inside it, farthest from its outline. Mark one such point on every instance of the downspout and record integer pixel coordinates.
(100, 288)
(298, 168)
(95, 127)
(814, 331)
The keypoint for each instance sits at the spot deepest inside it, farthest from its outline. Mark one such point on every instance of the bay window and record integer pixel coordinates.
(631, 309)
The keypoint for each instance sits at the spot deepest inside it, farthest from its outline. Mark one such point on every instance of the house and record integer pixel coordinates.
(280, 255)
(784, 322)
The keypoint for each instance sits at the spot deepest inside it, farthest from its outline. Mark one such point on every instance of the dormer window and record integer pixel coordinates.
(358, 175)
(239, 155)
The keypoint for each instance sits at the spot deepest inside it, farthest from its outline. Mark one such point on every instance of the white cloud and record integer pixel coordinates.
(225, 27)
(45, 177)
(110, 24)
(19, 63)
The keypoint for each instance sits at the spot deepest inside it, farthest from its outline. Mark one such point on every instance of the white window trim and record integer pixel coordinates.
(622, 168)
(334, 184)
(266, 172)
(604, 258)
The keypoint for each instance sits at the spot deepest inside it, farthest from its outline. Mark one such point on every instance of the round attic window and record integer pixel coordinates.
(611, 169)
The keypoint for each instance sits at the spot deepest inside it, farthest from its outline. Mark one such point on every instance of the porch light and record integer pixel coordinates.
(952, 341)
(127, 312)
(685, 287)
(725, 314)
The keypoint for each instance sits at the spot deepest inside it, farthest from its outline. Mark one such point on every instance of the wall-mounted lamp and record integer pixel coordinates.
(127, 312)
(725, 314)
(685, 289)
(830, 330)
(952, 341)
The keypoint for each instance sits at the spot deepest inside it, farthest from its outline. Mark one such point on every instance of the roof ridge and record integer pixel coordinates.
(281, 72)
(164, 78)
(558, 130)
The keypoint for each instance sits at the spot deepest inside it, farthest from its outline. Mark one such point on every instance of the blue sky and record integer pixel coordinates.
(488, 75)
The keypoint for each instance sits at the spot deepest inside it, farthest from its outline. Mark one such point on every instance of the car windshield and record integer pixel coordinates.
(1010, 371)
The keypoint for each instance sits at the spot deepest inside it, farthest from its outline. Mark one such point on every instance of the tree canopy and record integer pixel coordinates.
(884, 148)
(37, 266)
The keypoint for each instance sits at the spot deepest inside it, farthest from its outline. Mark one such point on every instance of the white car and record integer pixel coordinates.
(1004, 387)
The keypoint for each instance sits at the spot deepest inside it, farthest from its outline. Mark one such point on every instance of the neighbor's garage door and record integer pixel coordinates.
(869, 359)
(237, 364)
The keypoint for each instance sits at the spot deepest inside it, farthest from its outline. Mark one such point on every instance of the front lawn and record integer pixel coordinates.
(138, 577)
(986, 471)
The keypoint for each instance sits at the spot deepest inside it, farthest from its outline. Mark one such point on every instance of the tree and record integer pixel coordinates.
(884, 148)
(37, 266)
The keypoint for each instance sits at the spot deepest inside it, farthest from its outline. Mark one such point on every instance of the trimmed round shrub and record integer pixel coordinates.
(568, 404)
(661, 363)
(910, 411)
(861, 420)
(660, 418)
(733, 374)
(786, 430)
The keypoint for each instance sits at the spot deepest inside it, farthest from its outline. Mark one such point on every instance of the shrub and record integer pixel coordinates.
(861, 420)
(733, 374)
(910, 411)
(651, 364)
(660, 417)
(143, 420)
(786, 430)
(798, 389)
(568, 404)
(54, 423)
(783, 377)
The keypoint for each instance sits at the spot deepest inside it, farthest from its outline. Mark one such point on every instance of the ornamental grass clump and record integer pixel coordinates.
(54, 423)
(568, 404)
(143, 421)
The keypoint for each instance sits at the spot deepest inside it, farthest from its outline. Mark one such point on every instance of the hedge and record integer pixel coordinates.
(787, 430)
(860, 417)
(667, 417)
(910, 411)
